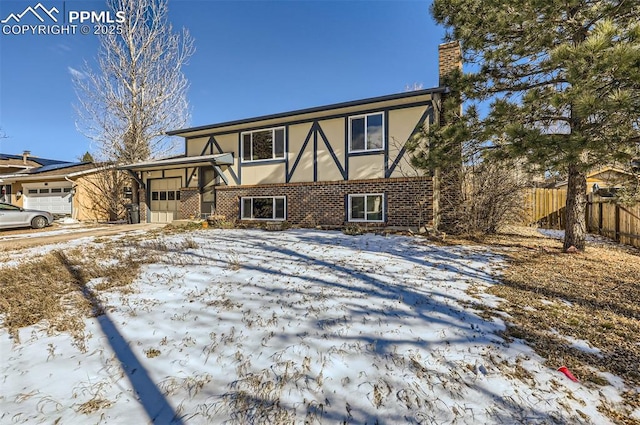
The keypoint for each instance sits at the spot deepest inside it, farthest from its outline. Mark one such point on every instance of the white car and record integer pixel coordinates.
(12, 216)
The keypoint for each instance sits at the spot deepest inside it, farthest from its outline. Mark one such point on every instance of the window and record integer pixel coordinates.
(163, 195)
(44, 190)
(56, 190)
(33, 191)
(263, 208)
(67, 190)
(366, 133)
(263, 144)
(366, 207)
(154, 196)
(171, 195)
(8, 207)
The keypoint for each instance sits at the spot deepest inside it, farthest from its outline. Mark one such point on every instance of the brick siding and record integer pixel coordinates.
(189, 203)
(408, 200)
(142, 197)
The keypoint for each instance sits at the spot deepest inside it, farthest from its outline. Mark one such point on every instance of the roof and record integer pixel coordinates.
(607, 171)
(56, 169)
(181, 161)
(52, 172)
(39, 161)
(388, 98)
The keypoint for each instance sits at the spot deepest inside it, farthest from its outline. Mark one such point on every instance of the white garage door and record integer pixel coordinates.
(165, 200)
(55, 198)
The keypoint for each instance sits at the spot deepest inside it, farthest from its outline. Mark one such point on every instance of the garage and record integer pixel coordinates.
(165, 199)
(54, 197)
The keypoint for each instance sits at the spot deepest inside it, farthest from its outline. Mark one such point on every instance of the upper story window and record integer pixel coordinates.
(263, 144)
(366, 133)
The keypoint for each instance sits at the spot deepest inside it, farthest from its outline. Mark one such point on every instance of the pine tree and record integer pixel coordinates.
(555, 84)
(86, 157)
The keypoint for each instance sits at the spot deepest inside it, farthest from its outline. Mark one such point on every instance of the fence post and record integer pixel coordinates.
(600, 208)
(617, 222)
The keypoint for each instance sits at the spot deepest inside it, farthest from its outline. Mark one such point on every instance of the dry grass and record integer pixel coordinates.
(591, 296)
(58, 290)
(41, 291)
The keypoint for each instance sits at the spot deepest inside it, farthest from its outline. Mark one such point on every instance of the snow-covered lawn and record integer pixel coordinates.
(293, 327)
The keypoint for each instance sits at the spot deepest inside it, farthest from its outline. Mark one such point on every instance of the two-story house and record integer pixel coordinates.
(324, 166)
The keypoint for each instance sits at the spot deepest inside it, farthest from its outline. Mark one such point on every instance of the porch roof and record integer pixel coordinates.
(181, 162)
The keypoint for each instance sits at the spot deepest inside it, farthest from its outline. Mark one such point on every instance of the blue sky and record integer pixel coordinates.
(252, 58)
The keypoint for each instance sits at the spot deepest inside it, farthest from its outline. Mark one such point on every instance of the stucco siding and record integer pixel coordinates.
(402, 123)
(263, 173)
(196, 146)
(366, 167)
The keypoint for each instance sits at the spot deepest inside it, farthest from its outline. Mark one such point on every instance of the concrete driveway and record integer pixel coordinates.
(26, 238)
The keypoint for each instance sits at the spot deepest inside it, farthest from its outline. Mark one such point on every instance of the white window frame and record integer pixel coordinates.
(273, 200)
(365, 195)
(366, 120)
(273, 147)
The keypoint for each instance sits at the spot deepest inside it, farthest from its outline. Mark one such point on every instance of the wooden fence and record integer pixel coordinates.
(618, 222)
(546, 208)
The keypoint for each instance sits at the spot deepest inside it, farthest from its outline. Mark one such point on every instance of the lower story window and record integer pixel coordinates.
(263, 208)
(368, 207)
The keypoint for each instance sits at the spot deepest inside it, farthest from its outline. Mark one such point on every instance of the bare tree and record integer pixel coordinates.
(137, 91)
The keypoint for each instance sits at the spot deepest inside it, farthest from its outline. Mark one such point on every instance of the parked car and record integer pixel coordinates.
(12, 216)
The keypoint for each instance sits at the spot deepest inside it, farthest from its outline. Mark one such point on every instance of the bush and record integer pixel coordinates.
(492, 197)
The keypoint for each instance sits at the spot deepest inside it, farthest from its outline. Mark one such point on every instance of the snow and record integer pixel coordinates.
(294, 327)
(67, 221)
(559, 234)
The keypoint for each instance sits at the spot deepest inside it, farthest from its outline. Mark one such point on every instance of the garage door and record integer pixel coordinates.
(55, 199)
(165, 200)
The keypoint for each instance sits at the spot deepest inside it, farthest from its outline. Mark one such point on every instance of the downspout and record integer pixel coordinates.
(74, 212)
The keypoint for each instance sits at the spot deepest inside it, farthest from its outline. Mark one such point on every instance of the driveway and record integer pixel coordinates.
(26, 238)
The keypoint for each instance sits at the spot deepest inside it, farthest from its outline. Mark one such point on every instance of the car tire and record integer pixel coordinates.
(38, 222)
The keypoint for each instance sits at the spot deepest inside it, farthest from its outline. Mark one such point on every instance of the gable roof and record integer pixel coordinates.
(606, 173)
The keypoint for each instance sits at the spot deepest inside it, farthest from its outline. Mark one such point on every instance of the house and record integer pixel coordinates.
(11, 164)
(49, 185)
(325, 166)
(604, 179)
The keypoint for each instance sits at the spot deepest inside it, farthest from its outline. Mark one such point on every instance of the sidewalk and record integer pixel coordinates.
(25, 238)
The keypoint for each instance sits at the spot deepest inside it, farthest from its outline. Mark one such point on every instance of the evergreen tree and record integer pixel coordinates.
(86, 157)
(555, 84)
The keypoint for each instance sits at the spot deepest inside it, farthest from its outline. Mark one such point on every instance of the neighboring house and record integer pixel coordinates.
(328, 166)
(10, 164)
(603, 179)
(55, 187)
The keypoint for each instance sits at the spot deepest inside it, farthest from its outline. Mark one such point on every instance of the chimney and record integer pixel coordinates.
(449, 60)
(25, 156)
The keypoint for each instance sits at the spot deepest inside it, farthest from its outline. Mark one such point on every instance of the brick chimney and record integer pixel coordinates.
(447, 180)
(449, 59)
(25, 156)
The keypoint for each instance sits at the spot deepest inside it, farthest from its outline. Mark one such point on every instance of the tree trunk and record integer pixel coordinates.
(575, 222)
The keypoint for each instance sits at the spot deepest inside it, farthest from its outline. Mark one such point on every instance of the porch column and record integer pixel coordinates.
(189, 202)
